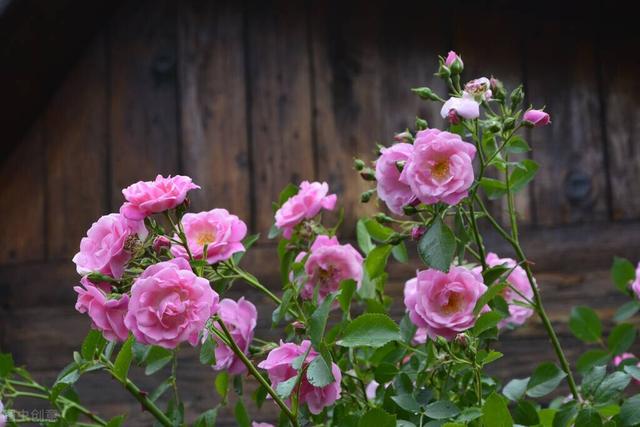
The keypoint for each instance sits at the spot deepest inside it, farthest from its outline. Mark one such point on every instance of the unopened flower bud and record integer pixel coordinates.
(358, 164)
(509, 123)
(417, 232)
(536, 118)
(421, 124)
(516, 97)
(462, 340)
(409, 210)
(494, 126)
(426, 94)
(368, 174)
(366, 196)
(443, 71)
(382, 218)
(452, 57)
(403, 136)
(395, 239)
(457, 66)
(161, 242)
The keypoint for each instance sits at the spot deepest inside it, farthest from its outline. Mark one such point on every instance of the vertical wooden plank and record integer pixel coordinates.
(504, 61)
(571, 184)
(213, 104)
(347, 86)
(620, 71)
(280, 97)
(75, 125)
(143, 114)
(23, 200)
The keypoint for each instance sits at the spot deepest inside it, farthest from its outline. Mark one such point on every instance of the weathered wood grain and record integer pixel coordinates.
(571, 183)
(23, 200)
(143, 114)
(279, 101)
(75, 129)
(213, 109)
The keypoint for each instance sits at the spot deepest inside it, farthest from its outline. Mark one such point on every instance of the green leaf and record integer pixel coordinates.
(486, 321)
(591, 358)
(347, 289)
(161, 389)
(242, 417)
(634, 371)
(622, 273)
(521, 176)
(92, 343)
(6, 364)
(123, 360)
(470, 414)
(156, 358)
(247, 242)
(544, 380)
(627, 310)
(495, 412)
(116, 421)
(385, 372)
(612, 386)
(518, 145)
(207, 418)
(378, 231)
(564, 417)
(515, 389)
(491, 292)
(437, 246)
(493, 188)
(318, 321)
(492, 274)
(274, 232)
(399, 252)
(407, 329)
(278, 314)
(287, 192)
(376, 261)
(525, 414)
(621, 338)
(406, 402)
(588, 417)
(630, 411)
(377, 417)
(285, 388)
(208, 351)
(441, 410)
(319, 373)
(370, 330)
(592, 379)
(364, 239)
(585, 324)
(222, 384)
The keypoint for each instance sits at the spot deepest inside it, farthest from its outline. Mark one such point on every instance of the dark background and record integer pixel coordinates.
(248, 96)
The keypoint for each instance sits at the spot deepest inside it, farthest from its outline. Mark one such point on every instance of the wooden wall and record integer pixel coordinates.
(248, 96)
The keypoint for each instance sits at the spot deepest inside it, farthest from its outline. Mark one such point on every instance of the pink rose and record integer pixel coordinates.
(479, 89)
(3, 417)
(410, 286)
(240, 318)
(518, 279)
(441, 168)
(443, 302)
(328, 265)
(279, 368)
(311, 199)
(635, 286)
(536, 118)
(148, 197)
(451, 57)
(107, 247)
(219, 230)
(456, 107)
(395, 193)
(107, 315)
(169, 304)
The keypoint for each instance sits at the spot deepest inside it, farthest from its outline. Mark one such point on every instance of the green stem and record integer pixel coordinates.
(139, 395)
(254, 371)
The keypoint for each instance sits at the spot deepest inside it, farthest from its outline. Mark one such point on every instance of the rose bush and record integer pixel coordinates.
(152, 278)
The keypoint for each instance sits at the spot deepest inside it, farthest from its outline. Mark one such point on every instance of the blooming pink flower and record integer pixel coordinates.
(518, 279)
(328, 265)
(148, 197)
(395, 193)
(410, 286)
(311, 199)
(3, 417)
(443, 302)
(455, 107)
(279, 367)
(219, 230)
(441, 168)
(451, 57)
(240, 318)
(479, 89)
(635, 286)
(169, 304)
(536, 118)
(107, 315)
(106, 249)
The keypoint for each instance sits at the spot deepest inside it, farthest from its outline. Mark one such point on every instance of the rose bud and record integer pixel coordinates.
(403, 136)
(454, 62)
(161, 242)
(536, 118)
(417, 232)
